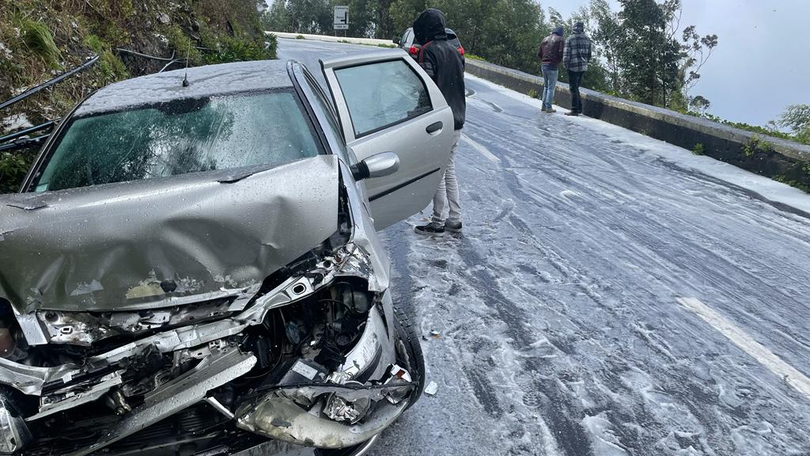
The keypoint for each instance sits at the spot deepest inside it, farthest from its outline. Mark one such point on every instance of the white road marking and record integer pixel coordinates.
(765, 357)
(481, 149)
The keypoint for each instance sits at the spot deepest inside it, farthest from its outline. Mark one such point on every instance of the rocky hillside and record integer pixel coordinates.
(40, 39)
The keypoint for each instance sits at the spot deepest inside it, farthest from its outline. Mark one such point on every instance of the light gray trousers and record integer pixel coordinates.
(446, 197)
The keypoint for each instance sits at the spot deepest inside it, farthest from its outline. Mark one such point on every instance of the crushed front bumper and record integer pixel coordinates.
(344, 407)
(278, 415)
(279, 448)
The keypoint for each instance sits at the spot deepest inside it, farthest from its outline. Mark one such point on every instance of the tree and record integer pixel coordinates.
(277, 18)
(699, 49)
(642, 56)
(607, 38)
(797, 119)
(700, 105)
(648, 55)
(403, 12)
(299, 16)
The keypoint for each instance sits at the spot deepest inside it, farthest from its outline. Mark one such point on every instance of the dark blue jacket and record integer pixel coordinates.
(442, 61)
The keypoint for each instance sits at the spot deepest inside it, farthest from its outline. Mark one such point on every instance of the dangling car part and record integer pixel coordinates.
(193, 268)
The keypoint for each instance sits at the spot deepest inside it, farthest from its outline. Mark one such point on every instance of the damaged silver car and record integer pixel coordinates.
(192, 265)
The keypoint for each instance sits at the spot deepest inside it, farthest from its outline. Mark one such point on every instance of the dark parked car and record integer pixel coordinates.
(409, 44)
(192, 266)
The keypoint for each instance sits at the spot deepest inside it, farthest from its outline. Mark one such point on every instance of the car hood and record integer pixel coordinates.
(160, 242)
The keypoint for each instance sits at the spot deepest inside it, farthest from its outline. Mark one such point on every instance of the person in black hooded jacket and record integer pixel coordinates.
(442, 62)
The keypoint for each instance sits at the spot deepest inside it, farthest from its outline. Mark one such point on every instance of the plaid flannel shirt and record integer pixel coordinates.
(577, 52)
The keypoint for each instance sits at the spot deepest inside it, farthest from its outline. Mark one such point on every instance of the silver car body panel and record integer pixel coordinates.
(111, 247)
(423, 155)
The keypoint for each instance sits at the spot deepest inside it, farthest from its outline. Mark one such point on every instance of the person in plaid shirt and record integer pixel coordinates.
(576, 56)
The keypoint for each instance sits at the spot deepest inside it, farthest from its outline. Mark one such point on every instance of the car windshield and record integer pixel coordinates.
(179, 137)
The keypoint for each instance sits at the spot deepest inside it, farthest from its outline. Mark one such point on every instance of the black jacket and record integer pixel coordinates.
(442, 61)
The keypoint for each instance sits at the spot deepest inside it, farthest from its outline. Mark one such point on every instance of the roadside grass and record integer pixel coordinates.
(39, 40)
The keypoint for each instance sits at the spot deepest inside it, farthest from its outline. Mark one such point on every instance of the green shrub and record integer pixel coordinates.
(699, 149)
(109, 67)
(183, 46)
(272, 45)
(13, 167)
(300, 37)
(237, 50)
(756, 144)
(96, 44)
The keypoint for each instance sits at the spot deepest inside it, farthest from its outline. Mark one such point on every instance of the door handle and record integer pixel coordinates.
(433, 128)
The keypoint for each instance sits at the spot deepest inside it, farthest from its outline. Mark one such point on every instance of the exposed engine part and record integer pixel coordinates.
(117, 402)
(12, 343)
(7, 344)
(86, 328)
(219, 407)
(13, 346)
(14, 433)
(75, 395)
(186, 390)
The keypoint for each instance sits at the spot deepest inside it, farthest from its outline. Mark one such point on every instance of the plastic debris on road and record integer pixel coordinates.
(431, 389)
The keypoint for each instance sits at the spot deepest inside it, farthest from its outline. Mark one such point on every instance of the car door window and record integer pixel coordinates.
(382, 94)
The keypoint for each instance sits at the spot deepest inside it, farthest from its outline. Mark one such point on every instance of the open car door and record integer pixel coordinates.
(387, 103)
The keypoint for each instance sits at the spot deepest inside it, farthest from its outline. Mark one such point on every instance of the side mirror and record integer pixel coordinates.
(379, 165)
(396, 40)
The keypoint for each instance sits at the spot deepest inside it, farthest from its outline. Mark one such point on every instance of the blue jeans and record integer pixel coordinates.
(549, 85)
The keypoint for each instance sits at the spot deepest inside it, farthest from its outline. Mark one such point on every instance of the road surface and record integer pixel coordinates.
(610, 295)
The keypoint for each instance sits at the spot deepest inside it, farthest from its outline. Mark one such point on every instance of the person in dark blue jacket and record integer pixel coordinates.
(443, 63)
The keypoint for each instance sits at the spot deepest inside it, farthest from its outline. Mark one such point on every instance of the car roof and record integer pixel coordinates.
(204, 81)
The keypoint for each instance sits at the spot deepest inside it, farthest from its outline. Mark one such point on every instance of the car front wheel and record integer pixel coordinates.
(405, 326)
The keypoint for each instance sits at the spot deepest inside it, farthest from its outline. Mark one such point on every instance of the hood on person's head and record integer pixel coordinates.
(558, 31)
(579, 27)
(429, 25)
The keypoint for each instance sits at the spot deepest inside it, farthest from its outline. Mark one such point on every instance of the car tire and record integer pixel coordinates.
(405, 327)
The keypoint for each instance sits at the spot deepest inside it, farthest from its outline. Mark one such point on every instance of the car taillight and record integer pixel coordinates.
(413, 50)
(461, 50)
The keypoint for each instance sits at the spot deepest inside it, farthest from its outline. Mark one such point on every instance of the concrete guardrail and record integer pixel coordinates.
(333, 39)
(772, 157)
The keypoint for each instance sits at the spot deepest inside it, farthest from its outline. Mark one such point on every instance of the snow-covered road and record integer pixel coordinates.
(611, 295)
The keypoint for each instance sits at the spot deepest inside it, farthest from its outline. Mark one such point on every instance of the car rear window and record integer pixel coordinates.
(179, 137)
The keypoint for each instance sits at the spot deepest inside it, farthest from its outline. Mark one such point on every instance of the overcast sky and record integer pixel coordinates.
(762, 63)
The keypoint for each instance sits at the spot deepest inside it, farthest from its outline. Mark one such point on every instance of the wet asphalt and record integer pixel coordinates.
(553, 324)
